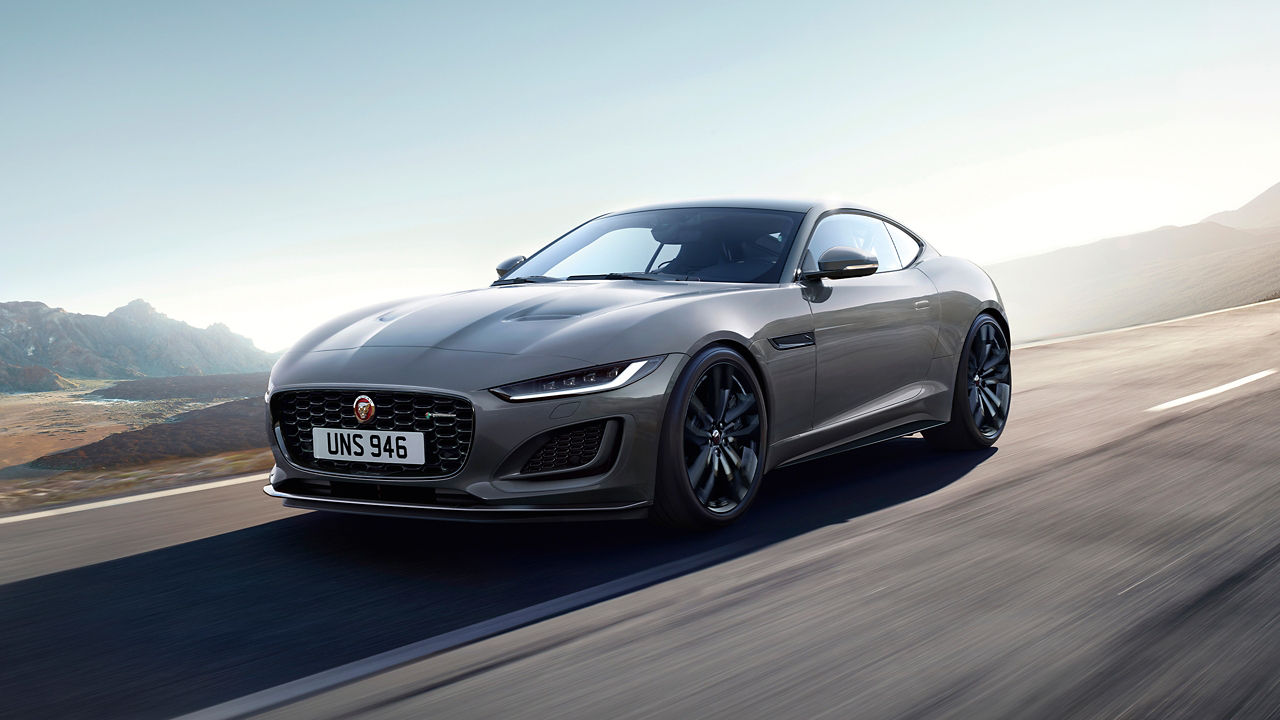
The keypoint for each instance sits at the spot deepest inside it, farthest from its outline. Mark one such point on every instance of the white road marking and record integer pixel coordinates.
(1085, 336)
(1164, 567)
(1212, 391)
(256, 477)
(264, 700)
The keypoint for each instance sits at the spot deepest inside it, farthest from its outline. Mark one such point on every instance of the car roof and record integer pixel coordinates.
(785, 204)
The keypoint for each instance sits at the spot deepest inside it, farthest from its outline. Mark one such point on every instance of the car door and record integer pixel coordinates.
(875, 334)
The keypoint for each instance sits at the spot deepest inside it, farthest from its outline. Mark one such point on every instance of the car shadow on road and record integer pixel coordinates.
(188, 626)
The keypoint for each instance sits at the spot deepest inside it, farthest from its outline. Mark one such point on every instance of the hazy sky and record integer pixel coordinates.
(270, 164)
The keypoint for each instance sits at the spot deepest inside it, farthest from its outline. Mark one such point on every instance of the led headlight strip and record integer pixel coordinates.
(579, 382)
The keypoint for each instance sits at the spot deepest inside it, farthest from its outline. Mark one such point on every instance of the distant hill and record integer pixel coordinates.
(203, 387)
(131, 341)
(1147, 277)
(30, 378)
(1260, 212)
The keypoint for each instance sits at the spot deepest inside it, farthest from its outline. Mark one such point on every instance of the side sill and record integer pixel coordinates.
(893, 432)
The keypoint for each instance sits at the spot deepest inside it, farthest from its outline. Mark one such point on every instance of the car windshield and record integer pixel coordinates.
(738, 245)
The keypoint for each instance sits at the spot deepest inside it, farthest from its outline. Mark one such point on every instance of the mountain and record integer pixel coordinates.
(1260, 212)
(1156, 275)
(131, 341)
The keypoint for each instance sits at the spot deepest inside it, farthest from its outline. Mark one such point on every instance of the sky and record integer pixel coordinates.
(271, 165)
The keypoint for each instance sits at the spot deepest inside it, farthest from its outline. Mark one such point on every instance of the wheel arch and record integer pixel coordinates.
(995, 313)
(998, 314)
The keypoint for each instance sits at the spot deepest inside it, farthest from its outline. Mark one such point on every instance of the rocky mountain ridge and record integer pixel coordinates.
(131, 341)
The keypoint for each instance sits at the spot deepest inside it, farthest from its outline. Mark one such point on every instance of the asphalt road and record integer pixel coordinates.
(1103, 561)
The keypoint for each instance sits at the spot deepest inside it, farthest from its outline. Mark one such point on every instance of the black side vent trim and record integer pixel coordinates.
(791, 342)
(569, 451)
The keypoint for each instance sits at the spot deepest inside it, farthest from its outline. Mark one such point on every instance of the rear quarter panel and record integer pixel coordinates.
(964, 290)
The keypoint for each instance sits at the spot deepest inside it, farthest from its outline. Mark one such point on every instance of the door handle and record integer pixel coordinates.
(922, 304)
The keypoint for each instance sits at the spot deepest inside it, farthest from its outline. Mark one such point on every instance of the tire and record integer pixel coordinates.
(982, 392)
(713, 445)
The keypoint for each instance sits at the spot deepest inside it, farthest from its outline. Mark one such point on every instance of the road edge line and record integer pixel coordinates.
(127, 499)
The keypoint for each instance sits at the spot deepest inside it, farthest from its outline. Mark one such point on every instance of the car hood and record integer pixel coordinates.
(575, 319)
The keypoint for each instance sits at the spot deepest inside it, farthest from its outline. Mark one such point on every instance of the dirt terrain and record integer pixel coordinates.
(37, 424)
(228, 426)
(199, 387)
(74, 444)
(34, 488)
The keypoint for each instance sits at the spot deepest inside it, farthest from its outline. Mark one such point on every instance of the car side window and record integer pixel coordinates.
(908, 247)
(856, 231)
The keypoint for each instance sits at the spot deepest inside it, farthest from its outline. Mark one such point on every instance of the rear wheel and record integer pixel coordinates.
(982, 393)
(713, 442)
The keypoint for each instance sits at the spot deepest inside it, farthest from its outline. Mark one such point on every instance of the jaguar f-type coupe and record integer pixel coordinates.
(657, 361)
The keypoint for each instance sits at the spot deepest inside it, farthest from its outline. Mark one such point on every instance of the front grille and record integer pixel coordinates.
(566, 449)
(446, 423)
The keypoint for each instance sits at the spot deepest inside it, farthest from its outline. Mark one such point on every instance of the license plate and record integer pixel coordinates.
(381, 446)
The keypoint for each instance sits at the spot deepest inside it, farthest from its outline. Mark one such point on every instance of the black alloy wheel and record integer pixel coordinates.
(983, 390)
(714, 442)
(989, 376)
(722, 438)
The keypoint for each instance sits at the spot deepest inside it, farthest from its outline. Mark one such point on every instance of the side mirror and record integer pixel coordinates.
(844, 262)
(509, 264)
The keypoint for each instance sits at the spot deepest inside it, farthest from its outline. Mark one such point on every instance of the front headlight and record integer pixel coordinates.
(579, 382)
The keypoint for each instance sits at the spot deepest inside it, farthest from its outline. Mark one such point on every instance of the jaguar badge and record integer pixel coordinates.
(364, 408)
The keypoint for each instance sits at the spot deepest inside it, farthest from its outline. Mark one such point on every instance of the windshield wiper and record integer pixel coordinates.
(526, 279)
(618, 276)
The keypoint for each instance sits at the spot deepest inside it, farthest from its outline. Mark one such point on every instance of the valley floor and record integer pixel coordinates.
(38, 424)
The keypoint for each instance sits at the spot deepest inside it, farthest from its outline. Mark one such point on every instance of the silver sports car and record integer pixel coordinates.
(657, 361)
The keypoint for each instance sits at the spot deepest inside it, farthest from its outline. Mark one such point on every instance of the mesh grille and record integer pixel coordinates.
(566, 449)
(446, 423)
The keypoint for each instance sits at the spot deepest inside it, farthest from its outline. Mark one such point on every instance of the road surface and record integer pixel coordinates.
(1107, 559)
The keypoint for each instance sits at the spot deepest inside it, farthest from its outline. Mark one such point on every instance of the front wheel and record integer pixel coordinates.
(713, 442)
(982, 392)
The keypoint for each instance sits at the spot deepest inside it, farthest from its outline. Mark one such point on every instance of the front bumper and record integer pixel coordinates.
(490, 485)
(489, 513)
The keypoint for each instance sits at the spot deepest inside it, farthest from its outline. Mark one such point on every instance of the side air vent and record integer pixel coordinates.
(577, 450)
(566, 449)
